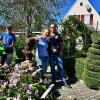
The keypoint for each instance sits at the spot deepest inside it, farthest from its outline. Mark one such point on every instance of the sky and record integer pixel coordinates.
(95, 4)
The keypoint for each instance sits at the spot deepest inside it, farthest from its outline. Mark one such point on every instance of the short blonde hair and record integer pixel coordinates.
(45, 30)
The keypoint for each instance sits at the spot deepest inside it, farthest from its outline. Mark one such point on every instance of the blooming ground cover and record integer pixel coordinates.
(22, 83)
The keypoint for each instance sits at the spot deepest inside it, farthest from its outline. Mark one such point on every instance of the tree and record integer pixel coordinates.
(72, 29)
(25, 11)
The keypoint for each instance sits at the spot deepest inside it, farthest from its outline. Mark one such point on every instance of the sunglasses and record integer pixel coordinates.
(52, 27)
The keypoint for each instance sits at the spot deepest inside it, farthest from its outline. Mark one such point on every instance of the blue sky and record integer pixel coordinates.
(95, 4)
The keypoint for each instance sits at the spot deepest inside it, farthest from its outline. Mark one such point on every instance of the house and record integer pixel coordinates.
(85, 12)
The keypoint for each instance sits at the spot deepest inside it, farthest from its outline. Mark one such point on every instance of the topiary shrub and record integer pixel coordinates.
(91, 73)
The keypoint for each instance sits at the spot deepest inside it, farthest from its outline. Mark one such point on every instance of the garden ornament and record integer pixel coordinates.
(79, 43)
(27, 51)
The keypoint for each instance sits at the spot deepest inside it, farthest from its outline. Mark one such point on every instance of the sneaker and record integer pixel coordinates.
(66, 85)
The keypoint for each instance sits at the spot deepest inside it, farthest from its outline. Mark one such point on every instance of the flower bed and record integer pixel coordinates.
(22, 83)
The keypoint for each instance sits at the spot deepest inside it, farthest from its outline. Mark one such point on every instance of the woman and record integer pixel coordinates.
(42, 52)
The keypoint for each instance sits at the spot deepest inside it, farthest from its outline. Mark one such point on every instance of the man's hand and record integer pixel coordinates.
(54, 50)
(11, 46)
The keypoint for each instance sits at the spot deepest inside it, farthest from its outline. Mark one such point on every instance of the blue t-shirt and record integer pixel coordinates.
(42, 47)
(7, 40)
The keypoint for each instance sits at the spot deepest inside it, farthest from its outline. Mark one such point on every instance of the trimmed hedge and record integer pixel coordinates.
(95, 46)
(93, 61)
(92, 67)
(79, 67)
(95, 38)
(91, 82)
(94, 51)
(93, 56)
(91, 74)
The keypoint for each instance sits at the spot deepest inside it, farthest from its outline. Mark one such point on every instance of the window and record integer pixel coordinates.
(81, 4)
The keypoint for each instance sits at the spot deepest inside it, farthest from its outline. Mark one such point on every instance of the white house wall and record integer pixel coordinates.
(76, 9)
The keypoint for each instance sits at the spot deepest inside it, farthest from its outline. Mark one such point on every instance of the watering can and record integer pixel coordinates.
(2, 49)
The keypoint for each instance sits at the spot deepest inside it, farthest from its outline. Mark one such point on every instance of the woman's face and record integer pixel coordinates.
(46, 33)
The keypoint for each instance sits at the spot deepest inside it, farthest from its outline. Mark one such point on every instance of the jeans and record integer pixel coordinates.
(58, 60)
(7, 58)
(42, 62)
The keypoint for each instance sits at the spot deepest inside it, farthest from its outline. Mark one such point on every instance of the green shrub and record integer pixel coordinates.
(95, 46)
(91, 82)
(3, 98)
(79, 67)
(95, 38)
(93, 61)
(19, 46)
(91, 73)
(92, 67)
(93, 56)
(94, 51)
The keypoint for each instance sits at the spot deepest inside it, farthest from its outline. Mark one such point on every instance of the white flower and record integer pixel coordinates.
(9, 98)
(10, 85)
(29, 98)
(18, 97)
(36, 93)
(29, 91)
(30, 86)
(31, 68)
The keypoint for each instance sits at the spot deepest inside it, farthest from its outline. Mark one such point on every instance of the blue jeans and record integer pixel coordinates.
(42, 62)
(58, 60)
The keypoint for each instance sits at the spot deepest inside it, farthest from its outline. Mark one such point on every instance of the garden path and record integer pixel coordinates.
(79, 91)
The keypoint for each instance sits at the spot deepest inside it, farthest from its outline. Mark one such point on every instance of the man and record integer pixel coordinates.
(55, 53)
(8, 39)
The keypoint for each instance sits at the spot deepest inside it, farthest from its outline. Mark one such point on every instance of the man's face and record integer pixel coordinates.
(9, 31)
(52, 28)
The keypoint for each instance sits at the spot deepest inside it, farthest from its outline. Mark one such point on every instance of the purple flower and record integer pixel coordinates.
(26, 86)
(1, 81)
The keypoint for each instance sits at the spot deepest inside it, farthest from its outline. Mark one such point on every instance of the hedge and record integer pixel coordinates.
(94, 50)
(91, 74)
(91, 82)
(79, 67)
(93, 56)
(92, 67)
(95, 46)
(93, 61)
(95, 37)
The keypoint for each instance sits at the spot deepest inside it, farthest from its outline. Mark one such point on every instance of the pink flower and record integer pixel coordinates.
(17, 68)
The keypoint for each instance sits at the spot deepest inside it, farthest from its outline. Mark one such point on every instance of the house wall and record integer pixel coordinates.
(76, 9)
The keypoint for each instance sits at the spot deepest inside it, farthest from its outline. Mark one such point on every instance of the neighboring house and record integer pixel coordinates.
(85, 12)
